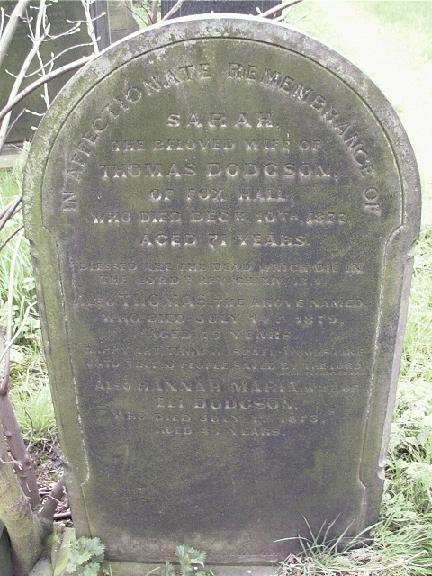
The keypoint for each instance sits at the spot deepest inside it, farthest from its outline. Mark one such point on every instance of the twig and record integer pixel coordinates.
(90, 25)
(58, 55)
(2, 20)
(173, 10)
(43, 80)
(10, 461)
(51, 502)
(9, 212)
(5, 355)
(63, 516)
(15, 120)
(9, 238)
(23, 465)
(279, 7)
(38, 34)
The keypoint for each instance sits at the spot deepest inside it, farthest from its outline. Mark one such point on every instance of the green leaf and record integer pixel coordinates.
(85, 549)
(189, 555)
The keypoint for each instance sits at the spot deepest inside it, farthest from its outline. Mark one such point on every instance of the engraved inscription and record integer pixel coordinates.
(224, 212)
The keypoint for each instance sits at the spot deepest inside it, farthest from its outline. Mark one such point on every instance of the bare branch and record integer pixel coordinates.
(41, 81)
(90, 24)
(23, 465)
(15, 120)
(9, 211)
(51, 502)
(279, 8)
(153, 15)
(5, 120)
(63, 515)
(75, 28)
(41, 22)
(2, 20)
(173, 10)
(5, 352)
(24, 527)
(9, 238)
(55, 57)
(8, 32)
(9, 426)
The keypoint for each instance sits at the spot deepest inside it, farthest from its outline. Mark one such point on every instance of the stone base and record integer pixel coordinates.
(139, 569)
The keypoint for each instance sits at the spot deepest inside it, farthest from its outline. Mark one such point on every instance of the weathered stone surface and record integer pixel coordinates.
(222, 213)
(205, 6)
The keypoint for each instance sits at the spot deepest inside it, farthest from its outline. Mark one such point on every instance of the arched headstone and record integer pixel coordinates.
(222, 214)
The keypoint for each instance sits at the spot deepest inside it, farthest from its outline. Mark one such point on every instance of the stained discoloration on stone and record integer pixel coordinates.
(222, 213)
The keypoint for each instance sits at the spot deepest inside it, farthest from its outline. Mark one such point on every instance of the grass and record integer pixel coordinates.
(30, 391)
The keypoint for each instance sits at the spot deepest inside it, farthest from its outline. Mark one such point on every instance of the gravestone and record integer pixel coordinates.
(222, 213)
(206, 6)
(113, 20)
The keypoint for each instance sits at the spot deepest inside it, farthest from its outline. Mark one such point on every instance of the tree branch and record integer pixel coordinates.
(5, 349)
(279, 8)
(55, 57)
(10, 428)
(51, 502)
(2, 20)
(90, 24)
(16, 119)
(63, 515)
(9, 212)
(36, 41)
(173, 10)
(23, 526)
(7, 34)
(24, 468)
(153, 12)
(10, 237)
(43, 80)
